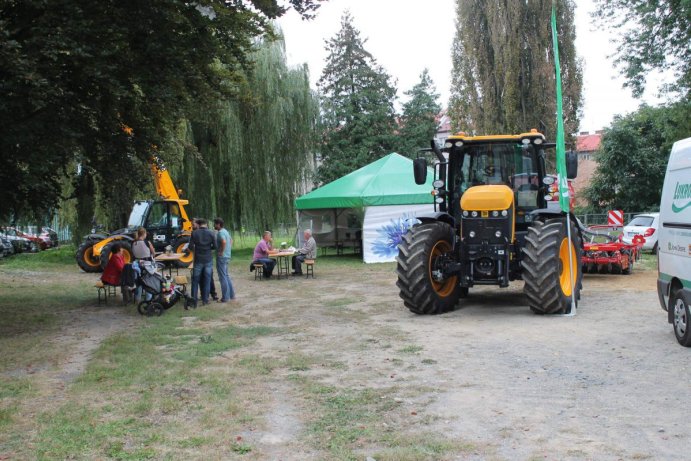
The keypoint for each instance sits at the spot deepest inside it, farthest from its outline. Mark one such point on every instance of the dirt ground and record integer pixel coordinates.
(610, 383)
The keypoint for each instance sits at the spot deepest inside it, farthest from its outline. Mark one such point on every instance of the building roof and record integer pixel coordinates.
(586, 142)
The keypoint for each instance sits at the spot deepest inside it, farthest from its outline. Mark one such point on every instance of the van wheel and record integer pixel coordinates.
(682, 317)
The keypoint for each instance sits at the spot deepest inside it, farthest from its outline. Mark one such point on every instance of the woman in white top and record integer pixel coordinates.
(141, 248)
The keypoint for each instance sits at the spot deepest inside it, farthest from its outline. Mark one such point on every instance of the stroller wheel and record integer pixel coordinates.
(154, 308)
(142, 307)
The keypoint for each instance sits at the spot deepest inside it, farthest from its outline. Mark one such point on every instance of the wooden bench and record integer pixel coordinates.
(104, 291)
(181, 280)
(258, 271)
(309, 267)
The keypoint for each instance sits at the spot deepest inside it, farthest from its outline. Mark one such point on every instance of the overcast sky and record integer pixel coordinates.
(405, 36)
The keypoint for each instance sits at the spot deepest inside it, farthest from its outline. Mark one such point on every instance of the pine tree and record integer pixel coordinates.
(419, 119)
(357, 102)
(503, 67)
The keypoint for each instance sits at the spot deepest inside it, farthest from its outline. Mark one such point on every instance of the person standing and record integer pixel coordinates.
(307, 251)
(223, 245)
(261, 254)
(202, 242)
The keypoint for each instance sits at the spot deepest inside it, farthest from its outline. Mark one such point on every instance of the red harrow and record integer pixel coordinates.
(607, 254)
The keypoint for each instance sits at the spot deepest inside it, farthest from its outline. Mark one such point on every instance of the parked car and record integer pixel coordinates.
(7, 247)
(20, 243)
(645, 225)
(40, 243)
(49, 235)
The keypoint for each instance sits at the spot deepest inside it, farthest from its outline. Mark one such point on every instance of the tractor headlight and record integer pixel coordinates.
(525, 140)
(458, 143)
(495, 214)
(474, 214)
(471, 234)
(438, 184)
(537, 141)
(439, 200)
(497, 234)
(465, 213)
(504, 213)
(448, 144)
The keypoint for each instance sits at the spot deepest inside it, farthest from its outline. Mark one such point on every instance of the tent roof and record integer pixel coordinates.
(387, 181)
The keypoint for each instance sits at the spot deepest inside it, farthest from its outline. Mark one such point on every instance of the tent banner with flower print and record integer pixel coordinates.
(385, 226)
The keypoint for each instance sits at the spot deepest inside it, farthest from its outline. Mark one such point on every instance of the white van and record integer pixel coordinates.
(674, 242)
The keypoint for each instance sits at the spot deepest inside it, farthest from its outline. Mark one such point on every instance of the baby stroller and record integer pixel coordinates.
(164, 292)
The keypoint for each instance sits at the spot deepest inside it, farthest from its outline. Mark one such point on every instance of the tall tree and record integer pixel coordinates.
(357, 103)
(503, 67)
(420, 116)
(100, 83)
(654, 34)
(254, 155)
(633, 156)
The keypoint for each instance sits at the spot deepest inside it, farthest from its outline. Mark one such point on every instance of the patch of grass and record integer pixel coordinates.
(421, 447)
(411, 349)
(340, 302)
(428, 361)
(75, 431)
(298, 362)
(14, 387)
(194, 442)
(240, 448)
(54, 258)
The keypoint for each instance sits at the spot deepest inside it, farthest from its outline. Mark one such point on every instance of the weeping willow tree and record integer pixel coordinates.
(253, 155)
(503, 67)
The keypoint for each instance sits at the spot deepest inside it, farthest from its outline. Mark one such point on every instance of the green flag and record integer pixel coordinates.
(561, 146)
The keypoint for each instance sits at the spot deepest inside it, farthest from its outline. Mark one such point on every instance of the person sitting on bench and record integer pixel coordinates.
(261, 254)
(113, 271)
(307, 251)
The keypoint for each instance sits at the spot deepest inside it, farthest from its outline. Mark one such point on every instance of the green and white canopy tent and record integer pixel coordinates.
(370, 208)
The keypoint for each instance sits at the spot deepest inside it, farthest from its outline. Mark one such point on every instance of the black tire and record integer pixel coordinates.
(417, 257)
(86, 259)
(179, 247)
(142, 307)
(127, 252)
(545, 256)
(679, 303)
(154, 308)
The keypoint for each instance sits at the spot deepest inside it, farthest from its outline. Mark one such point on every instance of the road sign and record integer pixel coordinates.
(615, 218)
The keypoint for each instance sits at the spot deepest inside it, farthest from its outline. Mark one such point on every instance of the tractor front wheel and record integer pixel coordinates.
(86, 259)
(420, 257)
(551, 276)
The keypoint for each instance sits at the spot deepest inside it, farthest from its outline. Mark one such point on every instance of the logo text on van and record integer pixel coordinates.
(681, 192)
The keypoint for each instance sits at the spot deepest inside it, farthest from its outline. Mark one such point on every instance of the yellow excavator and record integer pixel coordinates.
(165, 220)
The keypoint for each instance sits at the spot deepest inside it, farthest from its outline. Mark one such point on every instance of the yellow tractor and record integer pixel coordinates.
(165, 220)
(491, 225)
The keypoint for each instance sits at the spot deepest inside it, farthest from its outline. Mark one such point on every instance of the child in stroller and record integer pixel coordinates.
(164, 292)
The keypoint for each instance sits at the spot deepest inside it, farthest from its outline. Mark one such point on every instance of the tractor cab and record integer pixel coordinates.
(163, 221)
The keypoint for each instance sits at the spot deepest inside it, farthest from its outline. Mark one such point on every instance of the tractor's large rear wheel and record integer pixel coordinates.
(550, 275)
(126, 252)
(86, 259)
(419, 257)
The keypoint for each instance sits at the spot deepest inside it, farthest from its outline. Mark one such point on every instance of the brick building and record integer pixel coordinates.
(587, 145)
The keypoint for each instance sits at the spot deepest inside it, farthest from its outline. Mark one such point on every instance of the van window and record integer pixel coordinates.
(642, 221)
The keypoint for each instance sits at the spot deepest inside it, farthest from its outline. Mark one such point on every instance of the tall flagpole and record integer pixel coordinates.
(561, 159)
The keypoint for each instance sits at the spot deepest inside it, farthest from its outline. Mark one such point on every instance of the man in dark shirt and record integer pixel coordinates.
(202, 242)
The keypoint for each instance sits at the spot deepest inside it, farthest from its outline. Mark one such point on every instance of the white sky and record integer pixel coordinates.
(405, 36)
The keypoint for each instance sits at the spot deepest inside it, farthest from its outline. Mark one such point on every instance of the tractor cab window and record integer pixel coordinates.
(175, 216)
(158, 216)
(137, 214)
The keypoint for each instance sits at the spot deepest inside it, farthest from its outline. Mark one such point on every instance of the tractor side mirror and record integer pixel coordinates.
(420, 170)
(571, 165)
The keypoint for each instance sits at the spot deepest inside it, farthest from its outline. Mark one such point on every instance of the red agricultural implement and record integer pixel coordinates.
(605, 253)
